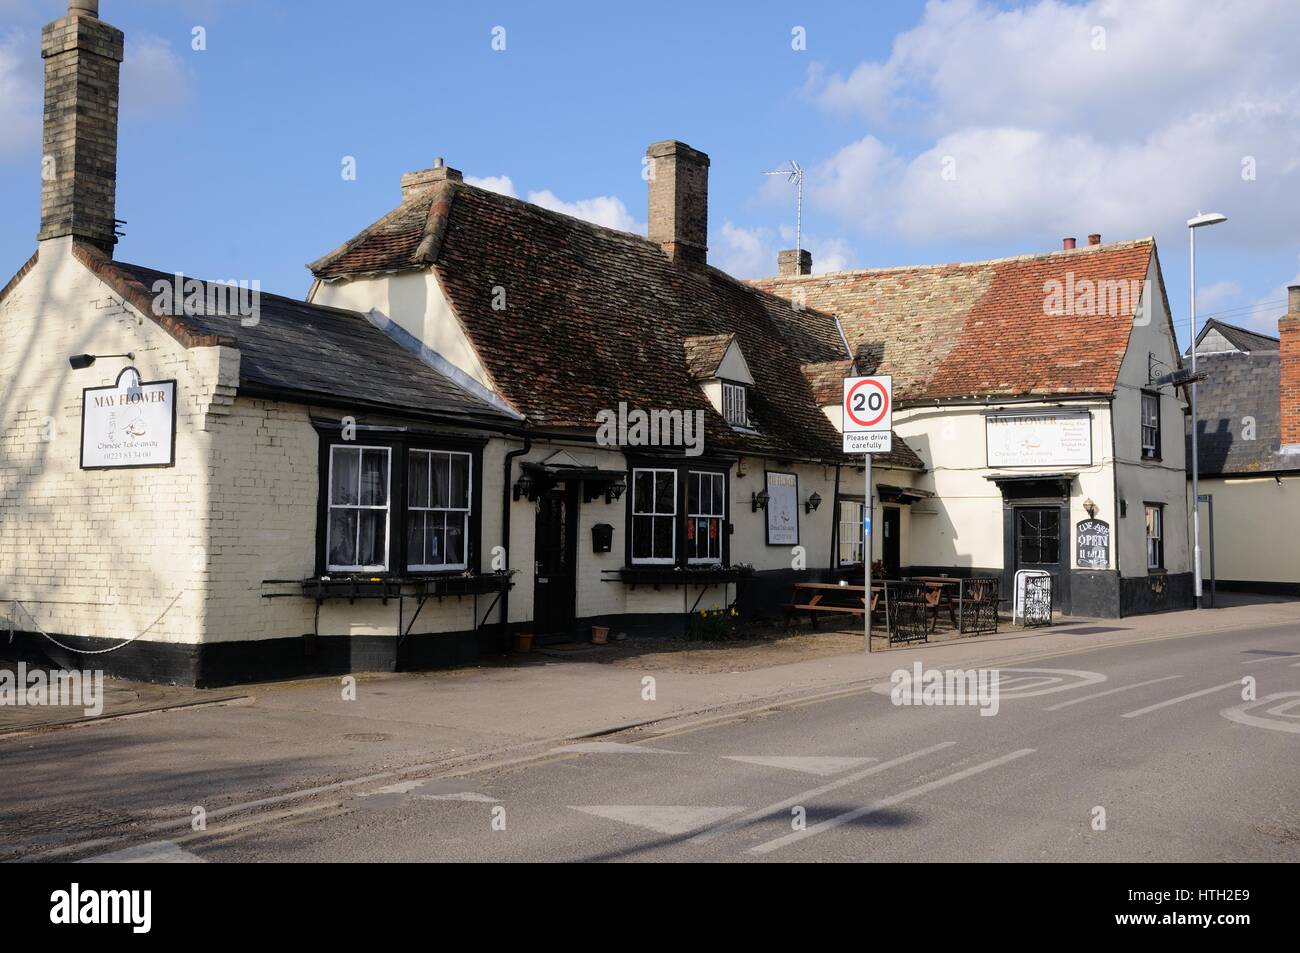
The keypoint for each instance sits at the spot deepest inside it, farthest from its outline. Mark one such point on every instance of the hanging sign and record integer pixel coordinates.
(868, 410)
(131, 423)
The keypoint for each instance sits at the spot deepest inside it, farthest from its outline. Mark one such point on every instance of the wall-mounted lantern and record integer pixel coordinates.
(80, 362)
(758, 501)
(812, 503)
(524, 487)
(615, 490)
(1090, 507)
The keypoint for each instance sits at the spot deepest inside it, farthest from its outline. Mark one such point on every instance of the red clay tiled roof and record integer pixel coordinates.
(704, 354)
(983, 328)
(827, 379)
(596, 317)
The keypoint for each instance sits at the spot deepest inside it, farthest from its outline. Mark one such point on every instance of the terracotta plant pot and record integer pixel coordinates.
(599, 634)
(523, 641)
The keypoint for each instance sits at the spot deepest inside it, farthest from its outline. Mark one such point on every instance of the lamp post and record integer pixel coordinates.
(1200, 221)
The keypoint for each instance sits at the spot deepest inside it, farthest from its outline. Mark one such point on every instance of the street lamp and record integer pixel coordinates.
(1201, 220)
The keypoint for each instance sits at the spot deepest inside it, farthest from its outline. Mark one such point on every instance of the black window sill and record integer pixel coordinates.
(364, 586)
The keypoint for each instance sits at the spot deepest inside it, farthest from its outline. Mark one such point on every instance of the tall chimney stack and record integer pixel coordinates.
(79, 170)
(790, 261)
(679, 200)
(1288, 329)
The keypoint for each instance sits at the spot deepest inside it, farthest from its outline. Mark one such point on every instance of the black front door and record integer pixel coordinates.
(890, 546)
(1038, 543)
(555, 582)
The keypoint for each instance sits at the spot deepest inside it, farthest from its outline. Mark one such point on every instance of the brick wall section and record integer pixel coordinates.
(1288, 329)
(78, 193)
(679, 200)
(97, 552)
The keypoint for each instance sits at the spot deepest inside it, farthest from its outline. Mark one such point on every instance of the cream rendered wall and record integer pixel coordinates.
(99, 552)
(417, 303)
(965, 529)
(1139, 481)
(1254, 540)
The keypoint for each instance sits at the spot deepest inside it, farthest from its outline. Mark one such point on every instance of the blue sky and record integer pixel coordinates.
(1057, 119)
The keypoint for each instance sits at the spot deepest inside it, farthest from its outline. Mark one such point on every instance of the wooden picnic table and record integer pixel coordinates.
(813, 597)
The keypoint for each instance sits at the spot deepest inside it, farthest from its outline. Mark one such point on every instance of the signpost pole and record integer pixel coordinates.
(868, 509)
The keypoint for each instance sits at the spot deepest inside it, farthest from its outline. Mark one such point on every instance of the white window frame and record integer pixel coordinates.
(654, 514)
(1157, 537)
(735, 404)
(331, 506)
(720, 516)
(1150, 451)
(465, 511)
(859, 534)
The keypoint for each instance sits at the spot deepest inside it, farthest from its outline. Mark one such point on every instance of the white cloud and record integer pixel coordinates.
(1217, 295)
(20, 96)
(743, 252)
(494, 183)
(1051, 135)
(154, 79)
(602, 210)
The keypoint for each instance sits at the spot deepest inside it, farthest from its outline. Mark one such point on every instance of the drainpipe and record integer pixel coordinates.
(835, 526)
(506, 491)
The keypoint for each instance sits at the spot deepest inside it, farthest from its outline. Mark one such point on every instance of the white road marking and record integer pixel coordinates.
(1182, 698)
(1041, 681)
(1110, 691)
(803, 796)
(881, 805)
(661, 818)
(1238, 714)
(1272, 658)
(462, 796)
(401, 787)
(155, 852)
(820, 766)
(610, 747)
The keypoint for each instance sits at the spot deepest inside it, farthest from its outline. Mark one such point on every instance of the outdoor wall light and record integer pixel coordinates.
(523, 487)
(1090, 507)
(614, 491)
(80, 362)
(813, 502)
(758, 500)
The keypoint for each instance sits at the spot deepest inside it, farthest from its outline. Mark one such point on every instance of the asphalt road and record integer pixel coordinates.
(1155, 735)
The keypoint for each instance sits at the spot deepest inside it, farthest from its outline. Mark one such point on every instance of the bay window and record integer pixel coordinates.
(654, 516)
(358, 521)
(705, 515)
(397, 505)
(437, 518)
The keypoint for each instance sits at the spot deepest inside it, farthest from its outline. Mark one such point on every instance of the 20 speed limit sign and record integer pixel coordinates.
(868, 414)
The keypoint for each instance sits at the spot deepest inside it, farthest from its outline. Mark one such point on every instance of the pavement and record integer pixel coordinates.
(281, 773)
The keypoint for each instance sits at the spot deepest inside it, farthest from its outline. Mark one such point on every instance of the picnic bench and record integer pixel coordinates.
(815, 597)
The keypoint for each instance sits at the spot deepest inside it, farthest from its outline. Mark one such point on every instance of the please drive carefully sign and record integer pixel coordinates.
(131, 423)
(868, 410)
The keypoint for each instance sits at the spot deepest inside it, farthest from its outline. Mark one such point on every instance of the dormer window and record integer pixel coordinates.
(734, 409)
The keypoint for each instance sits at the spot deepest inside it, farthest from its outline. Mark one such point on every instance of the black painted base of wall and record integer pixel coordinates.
(218, 664)
(1263, 588)
(1163, 592)
(1095, 593)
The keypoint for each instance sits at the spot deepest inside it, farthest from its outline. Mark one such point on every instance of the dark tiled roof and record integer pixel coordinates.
(826, 379)
(319, 353)
(704, 354)
(1238, 386)
(982, 328)
(1240, 338)
(596, 317)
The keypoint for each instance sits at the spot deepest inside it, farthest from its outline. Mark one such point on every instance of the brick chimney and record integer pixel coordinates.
(1288, 329)
(679, 200)
(79, 171)
(1094, 238)
(790, 261)
(413, 182)
(1067, 244)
